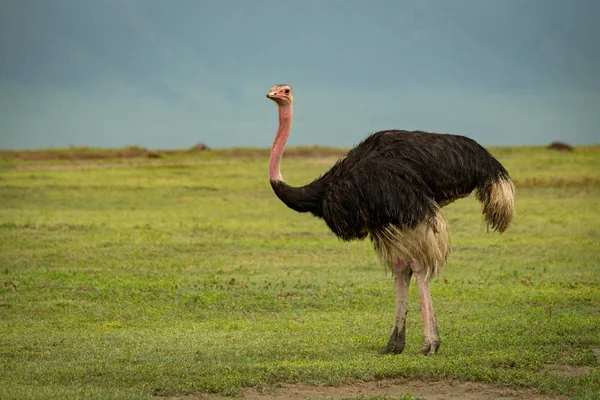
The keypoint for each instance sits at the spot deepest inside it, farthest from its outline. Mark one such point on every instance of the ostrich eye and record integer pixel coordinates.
(287, 91)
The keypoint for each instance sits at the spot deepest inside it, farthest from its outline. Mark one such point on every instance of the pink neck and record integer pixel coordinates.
(283, 131)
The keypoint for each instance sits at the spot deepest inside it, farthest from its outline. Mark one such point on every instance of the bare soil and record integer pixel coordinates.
(90, 164)
(566, 370)
(132, 152)
(46, 156)
(438, 390)
(85, 165)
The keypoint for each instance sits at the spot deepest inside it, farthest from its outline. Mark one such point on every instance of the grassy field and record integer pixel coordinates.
(183, 274)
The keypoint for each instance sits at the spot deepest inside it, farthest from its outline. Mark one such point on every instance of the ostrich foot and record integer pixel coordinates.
(430, 346)
(396, 343)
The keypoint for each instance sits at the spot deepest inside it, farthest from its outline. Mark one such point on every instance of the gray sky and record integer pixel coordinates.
(169, 74)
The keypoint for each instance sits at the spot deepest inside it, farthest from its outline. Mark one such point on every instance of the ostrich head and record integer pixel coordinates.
(281, 94)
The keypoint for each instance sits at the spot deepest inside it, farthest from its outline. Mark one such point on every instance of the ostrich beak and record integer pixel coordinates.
(275, 96)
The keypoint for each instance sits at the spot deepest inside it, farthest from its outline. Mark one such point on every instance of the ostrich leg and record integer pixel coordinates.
(431, 338)
(401, 281)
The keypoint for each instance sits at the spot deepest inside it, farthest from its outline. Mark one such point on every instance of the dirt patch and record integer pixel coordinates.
(427, 390)
(571, 182)
(394, 388)
(293, 152)
(91, 165)
(565, 370)
(48, 155)
(133, 152)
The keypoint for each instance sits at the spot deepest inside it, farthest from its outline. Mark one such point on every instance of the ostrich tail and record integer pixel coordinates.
(497, 197)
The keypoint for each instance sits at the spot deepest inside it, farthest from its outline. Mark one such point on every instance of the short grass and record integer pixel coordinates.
(187, 276)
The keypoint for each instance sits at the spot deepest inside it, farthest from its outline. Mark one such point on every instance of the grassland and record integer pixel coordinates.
(182, 274)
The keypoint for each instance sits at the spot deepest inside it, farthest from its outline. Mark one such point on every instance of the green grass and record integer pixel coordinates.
(187, 275)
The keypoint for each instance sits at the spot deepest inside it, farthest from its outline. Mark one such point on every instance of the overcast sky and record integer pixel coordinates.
(169, 74)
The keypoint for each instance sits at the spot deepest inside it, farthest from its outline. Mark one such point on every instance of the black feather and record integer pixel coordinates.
(394, 178)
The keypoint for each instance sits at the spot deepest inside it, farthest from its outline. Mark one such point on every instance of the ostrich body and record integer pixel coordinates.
(391, 188)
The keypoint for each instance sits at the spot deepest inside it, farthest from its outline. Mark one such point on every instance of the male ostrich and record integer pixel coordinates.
(391, 187)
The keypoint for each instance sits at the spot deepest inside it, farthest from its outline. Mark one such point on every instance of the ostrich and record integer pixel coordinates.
(391, 188)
